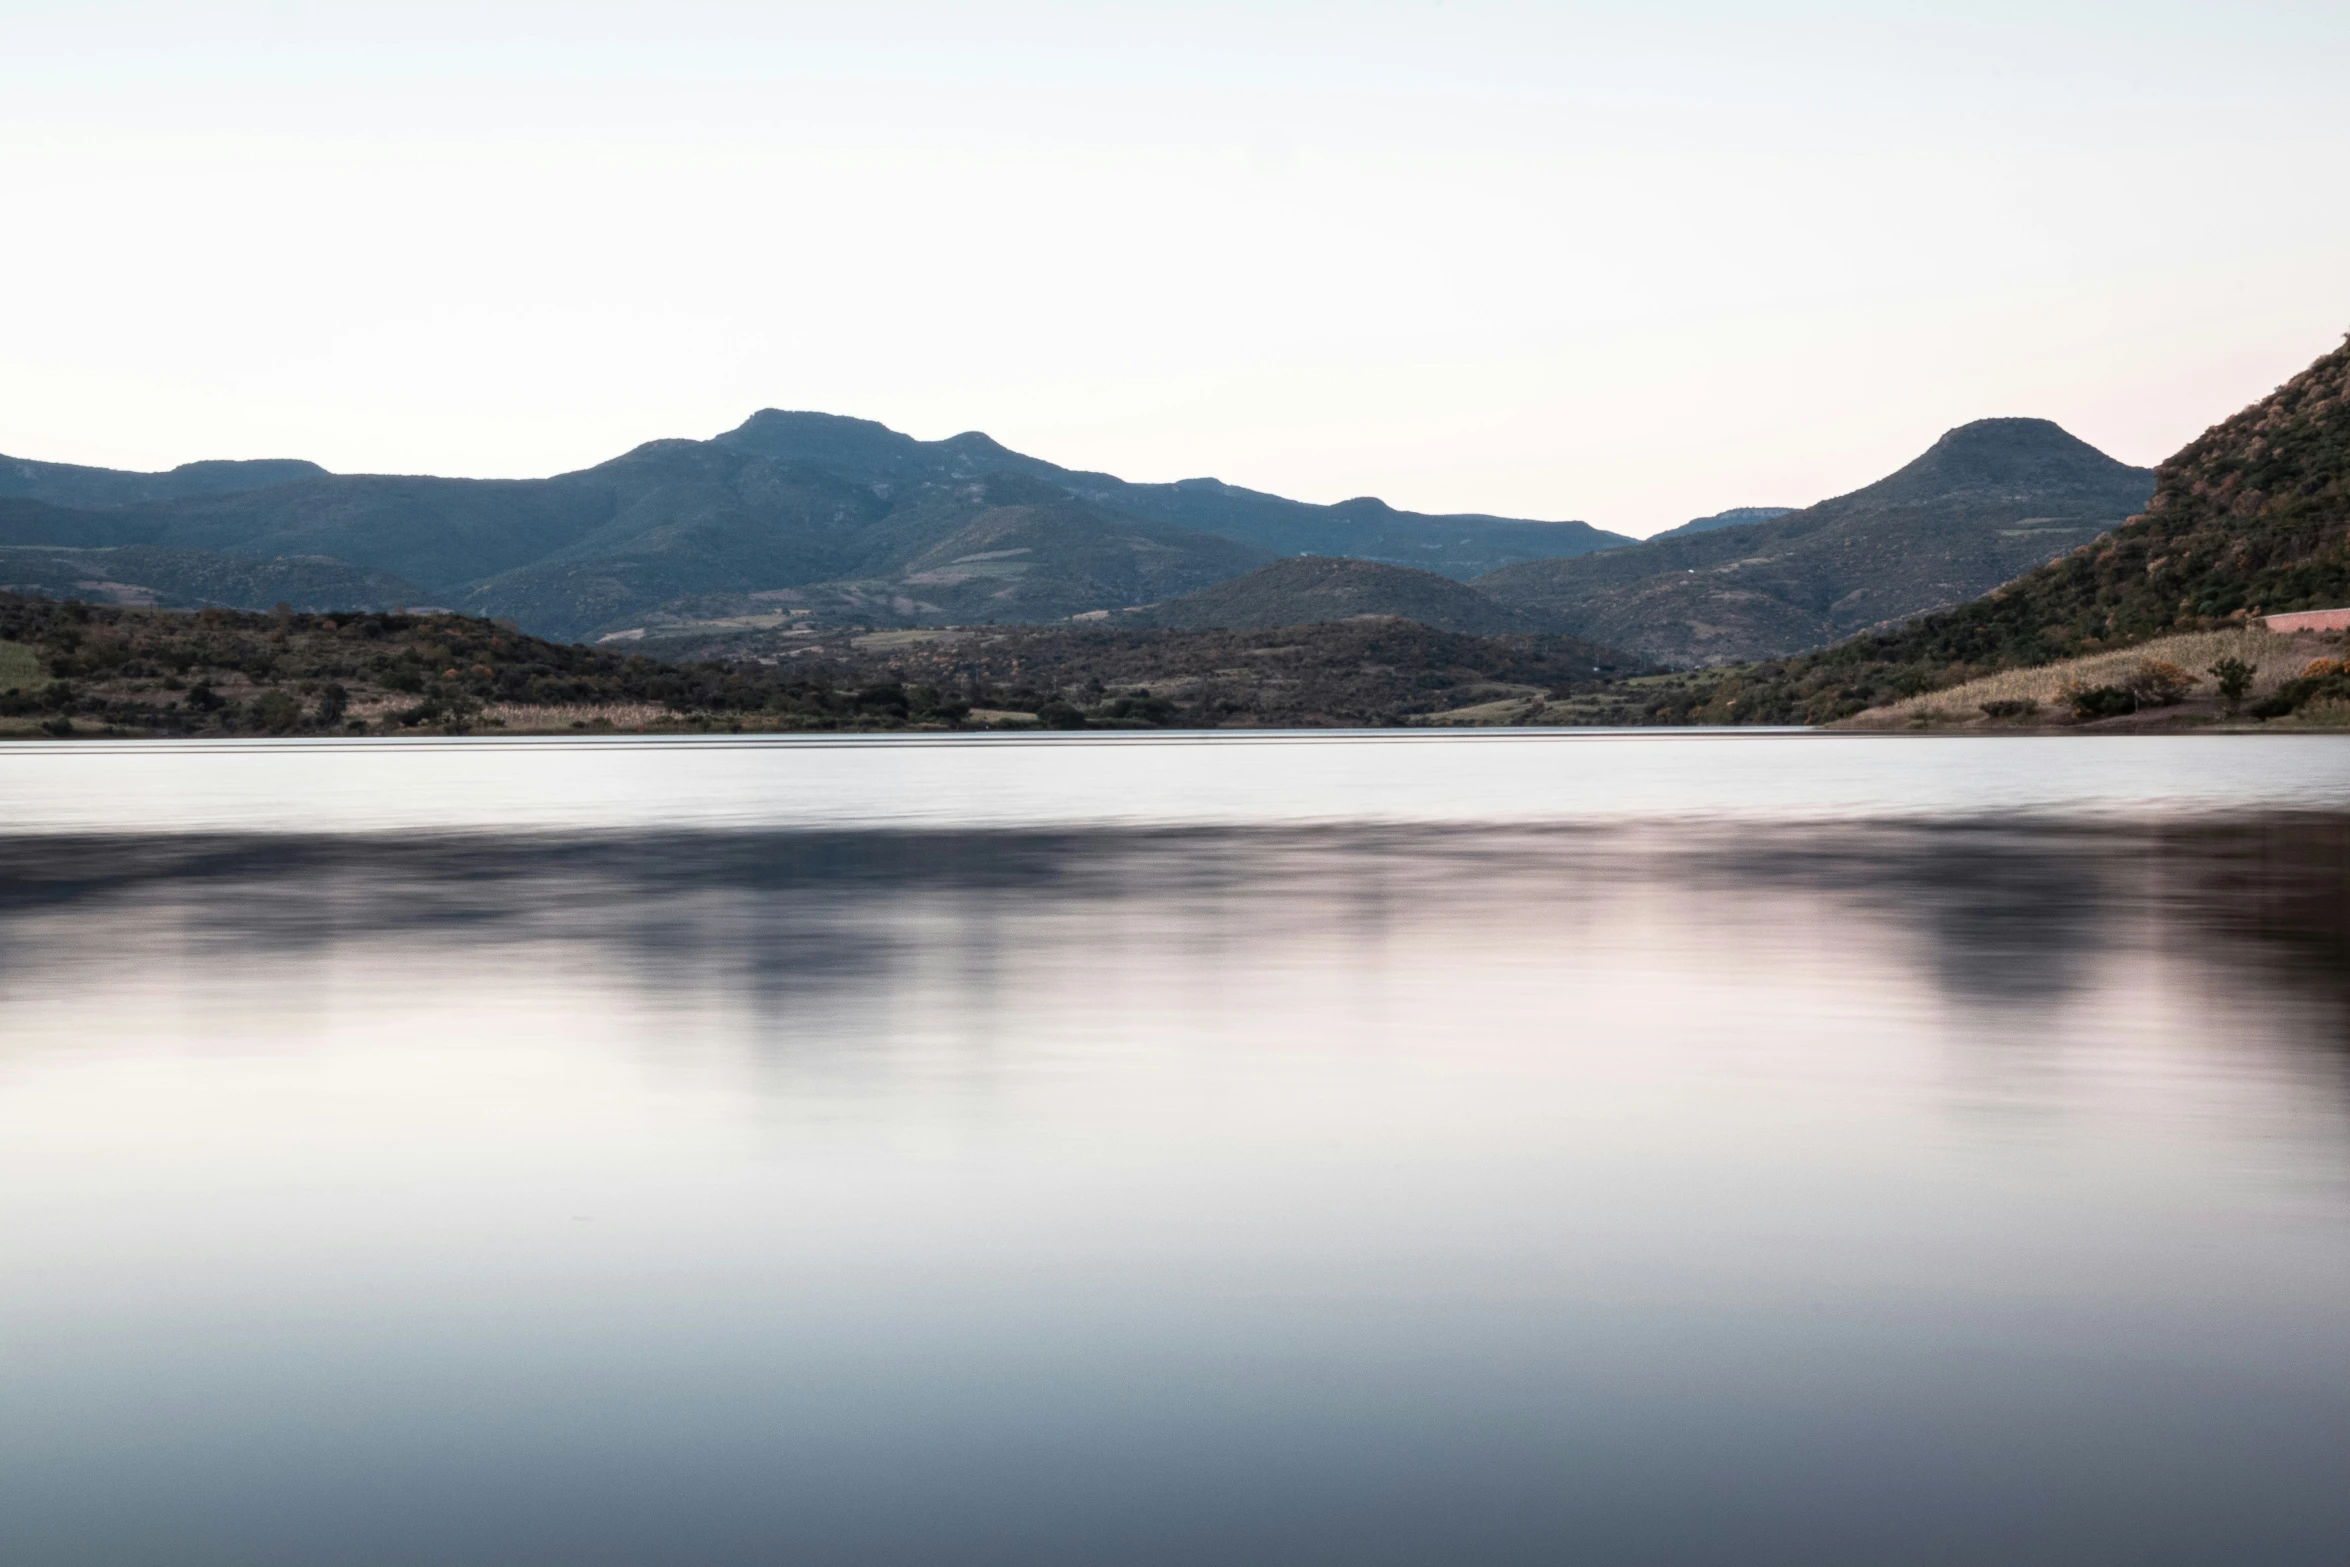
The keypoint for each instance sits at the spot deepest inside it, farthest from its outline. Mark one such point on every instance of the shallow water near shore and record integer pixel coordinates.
(1149, 780)
(1787, 1149)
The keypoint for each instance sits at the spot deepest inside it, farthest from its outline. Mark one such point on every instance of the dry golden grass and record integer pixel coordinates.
(2278, 658)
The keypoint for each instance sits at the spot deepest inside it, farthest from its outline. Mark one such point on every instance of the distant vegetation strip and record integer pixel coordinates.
(89, 670)
(1368, 670)
(80, 669)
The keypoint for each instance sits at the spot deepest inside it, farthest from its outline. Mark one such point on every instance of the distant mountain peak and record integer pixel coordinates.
(1735, 517)
(2007, 426)
(771, 420)
(2000, 456)
(244, 472)
(978, 441)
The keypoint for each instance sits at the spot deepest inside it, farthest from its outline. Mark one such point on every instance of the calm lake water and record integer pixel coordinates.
(1686, 1149)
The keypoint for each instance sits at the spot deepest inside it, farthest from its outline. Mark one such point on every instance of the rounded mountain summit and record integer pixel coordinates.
(1985, 503)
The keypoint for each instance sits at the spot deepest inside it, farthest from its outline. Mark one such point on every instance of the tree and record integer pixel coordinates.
(2235, 681)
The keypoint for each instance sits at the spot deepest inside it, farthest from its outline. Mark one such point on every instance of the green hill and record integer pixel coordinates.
(1987, 501)
(1308, 588)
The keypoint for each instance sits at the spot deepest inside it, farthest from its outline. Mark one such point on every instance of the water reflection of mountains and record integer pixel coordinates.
(1999, 916)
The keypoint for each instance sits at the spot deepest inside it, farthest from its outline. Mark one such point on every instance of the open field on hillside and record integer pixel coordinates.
(2276, 659)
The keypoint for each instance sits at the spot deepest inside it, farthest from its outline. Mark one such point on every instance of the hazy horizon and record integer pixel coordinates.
(1545, 261)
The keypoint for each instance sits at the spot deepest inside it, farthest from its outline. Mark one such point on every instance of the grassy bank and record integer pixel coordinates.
(2071, 693)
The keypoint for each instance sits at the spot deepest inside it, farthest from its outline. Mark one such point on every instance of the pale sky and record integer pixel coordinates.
(1625, 263)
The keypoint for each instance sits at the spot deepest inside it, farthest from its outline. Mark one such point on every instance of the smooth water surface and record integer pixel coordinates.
(1148, 780)
(1782, 1150)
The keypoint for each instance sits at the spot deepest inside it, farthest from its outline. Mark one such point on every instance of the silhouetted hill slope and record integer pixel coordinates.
(2252, 517)
(1735, 517)
(1304, 589)
(1988, 500)
(1460, 545)
(64, 484)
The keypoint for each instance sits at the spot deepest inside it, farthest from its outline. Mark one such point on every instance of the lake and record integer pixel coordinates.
(1725, 1148)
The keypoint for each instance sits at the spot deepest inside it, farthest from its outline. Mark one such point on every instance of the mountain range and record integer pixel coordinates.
(814, 520)
(833, 518)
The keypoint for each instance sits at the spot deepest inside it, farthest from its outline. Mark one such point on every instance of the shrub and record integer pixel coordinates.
(2157, 682)
(890, 698)
(2324, 680)
(1135, 712)
(2094, 702)
(2023, 707)
(277, 712)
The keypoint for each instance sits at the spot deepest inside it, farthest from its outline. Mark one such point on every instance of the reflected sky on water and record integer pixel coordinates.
(1752, 1192)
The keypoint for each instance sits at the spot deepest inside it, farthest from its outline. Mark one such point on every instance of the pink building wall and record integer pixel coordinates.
(2310, 620)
